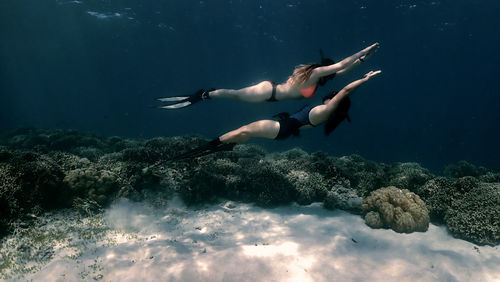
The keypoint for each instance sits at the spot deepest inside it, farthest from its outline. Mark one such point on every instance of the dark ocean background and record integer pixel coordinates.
(97, 66)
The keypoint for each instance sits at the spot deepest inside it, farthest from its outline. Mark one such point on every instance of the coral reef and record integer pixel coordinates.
(364, 176)
(209, 180)
(475, 217)
(309, 187)
(91, 183)
(468, 207)
(439, 193)
(45, 169)
(463, 168)
(490, 177)
(266, 186)
(408, 175)
(29, 183)
(401, 210)
(340, 197)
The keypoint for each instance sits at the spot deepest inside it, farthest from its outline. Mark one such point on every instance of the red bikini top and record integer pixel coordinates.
(309, 92)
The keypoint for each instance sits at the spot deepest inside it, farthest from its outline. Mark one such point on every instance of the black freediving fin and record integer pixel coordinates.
(324, 60)
(177, 102)
(321, 54)
(211, 147)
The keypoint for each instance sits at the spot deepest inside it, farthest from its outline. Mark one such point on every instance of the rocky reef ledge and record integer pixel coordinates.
(42, 170)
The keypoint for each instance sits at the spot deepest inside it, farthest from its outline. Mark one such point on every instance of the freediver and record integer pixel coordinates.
(303, 83)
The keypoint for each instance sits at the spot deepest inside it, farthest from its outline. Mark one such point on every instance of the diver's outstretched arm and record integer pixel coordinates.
(351, 64)
(349, 67)
(346, 64)
(321, 113)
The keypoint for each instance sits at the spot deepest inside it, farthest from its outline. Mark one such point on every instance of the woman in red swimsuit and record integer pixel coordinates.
(302, 83)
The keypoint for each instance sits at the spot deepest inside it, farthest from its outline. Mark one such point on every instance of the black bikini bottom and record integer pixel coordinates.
(273, 94)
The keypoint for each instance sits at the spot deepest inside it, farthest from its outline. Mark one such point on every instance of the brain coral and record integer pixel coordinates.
(401, 210)
(91, 183)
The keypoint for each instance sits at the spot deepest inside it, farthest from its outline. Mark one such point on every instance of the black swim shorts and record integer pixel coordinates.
(288, 126)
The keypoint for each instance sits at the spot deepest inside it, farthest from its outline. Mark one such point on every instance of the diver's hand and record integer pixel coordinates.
(372, 74)
(369, 51)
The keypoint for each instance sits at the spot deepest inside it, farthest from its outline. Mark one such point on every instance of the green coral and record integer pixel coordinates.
(31, 179)
(340, 197)
(401, 210)
(409, 175)
(208, 181)
(490, 177)
(437, 194)
(324, 165)
(364, 176)
(8, 203)
(69, 161)
(309, 187)
(293, 155)
(117, 144)
(244, 175)
(469, 208)
(475, 216)
(248, 151)
(91, 183)
(463, 168)
(158, 149)
(29, 183)
(270, 187)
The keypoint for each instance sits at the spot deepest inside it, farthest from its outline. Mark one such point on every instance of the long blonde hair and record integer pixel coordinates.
(303, 72)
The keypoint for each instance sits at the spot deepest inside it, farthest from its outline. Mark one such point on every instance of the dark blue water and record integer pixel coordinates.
(98, 65)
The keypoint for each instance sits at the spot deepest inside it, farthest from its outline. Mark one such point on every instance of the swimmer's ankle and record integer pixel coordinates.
(206, 94)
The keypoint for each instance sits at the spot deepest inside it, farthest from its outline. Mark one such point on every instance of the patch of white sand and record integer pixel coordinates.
(241, 242)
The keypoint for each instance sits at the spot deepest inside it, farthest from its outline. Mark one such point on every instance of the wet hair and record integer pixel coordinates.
(303, 72)
(341, 113)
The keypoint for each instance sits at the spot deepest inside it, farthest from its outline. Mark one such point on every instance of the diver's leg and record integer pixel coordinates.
(254, 94)
(262, 128)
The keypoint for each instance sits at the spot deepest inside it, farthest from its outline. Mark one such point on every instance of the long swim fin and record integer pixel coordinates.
(211, 147)
(177, 102)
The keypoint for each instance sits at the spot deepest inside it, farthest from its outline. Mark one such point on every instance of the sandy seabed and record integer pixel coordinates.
(232, 241)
